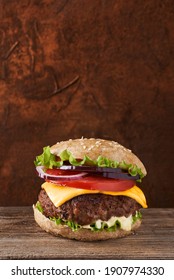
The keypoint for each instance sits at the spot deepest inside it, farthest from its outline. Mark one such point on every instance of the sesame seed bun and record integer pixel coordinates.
(94, 148)
(82, 234)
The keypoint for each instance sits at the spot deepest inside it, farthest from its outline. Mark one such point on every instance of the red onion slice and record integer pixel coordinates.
(44, 175)
(107, 172)
(87, 168)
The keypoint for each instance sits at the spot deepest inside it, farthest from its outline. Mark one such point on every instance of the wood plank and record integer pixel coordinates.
(21, 238)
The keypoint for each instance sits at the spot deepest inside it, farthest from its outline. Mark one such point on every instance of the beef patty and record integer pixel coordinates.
(86, 209)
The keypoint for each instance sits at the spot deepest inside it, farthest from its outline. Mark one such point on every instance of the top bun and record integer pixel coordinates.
(93, 148)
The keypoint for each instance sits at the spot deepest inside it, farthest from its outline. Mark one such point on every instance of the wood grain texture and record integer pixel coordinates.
(72, 68)
(21, 238)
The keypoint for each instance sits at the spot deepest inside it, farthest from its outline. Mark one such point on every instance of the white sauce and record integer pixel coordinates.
(125, 223)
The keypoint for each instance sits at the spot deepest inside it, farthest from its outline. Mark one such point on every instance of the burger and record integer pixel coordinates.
(90, 190)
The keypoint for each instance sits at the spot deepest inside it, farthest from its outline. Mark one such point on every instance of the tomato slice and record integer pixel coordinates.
(96, 183)
(90, 182)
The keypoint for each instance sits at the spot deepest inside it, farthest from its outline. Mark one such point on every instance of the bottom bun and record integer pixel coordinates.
(81, 234)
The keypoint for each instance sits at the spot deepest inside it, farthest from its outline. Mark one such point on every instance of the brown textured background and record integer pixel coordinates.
(91, 68)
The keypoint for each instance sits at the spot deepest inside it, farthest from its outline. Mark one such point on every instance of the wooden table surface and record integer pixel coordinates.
(21, 238)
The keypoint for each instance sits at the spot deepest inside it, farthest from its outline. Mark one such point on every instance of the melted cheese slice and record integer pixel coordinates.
(60, 194)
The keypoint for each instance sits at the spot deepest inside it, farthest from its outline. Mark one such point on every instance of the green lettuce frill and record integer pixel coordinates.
(50, 161)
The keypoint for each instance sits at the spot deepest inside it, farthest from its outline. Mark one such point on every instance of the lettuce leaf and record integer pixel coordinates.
(104, 226)
(49, 161)
(39, 207)
(137, 216)
(74, 226)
